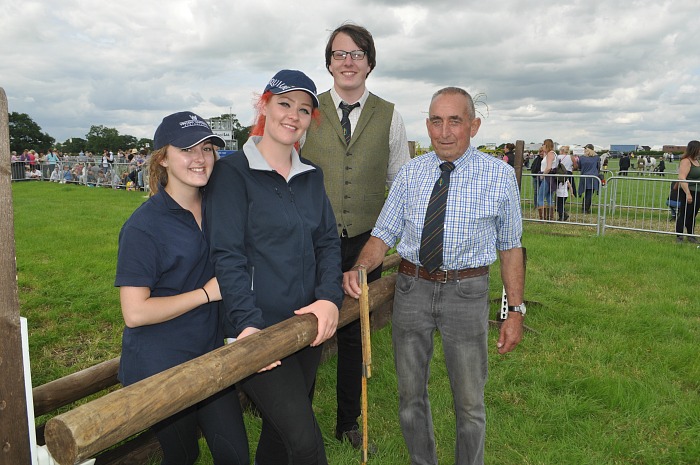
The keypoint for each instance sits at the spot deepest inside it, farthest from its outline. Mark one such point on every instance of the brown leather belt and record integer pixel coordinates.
(443, 276)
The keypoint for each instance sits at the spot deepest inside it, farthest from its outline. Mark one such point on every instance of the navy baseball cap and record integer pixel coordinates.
(289, 80)
(184, 130)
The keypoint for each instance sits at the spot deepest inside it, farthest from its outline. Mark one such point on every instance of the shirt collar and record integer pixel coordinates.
(257, 162)
(461, 161)
(336, 98)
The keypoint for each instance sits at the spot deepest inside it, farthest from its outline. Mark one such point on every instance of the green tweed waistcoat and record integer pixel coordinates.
(355, 174)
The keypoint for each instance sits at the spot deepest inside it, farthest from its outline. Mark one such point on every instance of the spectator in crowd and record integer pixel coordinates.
(509, 154)
(564, 189)
(67, 175)
(91, 177)
(535, 170)
(169, 295)
(31, 158)
(101, 178)
(276, 253)
(107, 160)
(360, 150)
(624, 164)
(55, 175)
(689, 204)
(570, 163)
(564, 183)
(14, 156)
(78, 172)
(590, 172)
(35, 173)
(52, 159)
(661, 167)
(446, 287)
(548, 183)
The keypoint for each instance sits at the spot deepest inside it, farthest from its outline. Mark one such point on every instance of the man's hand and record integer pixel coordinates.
(351, 284)
(511, 332)
(327, 314)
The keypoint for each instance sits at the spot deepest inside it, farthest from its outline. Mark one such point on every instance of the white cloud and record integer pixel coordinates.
(596, 71)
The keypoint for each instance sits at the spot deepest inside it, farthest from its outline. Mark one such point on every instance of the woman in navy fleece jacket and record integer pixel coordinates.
(276, 254)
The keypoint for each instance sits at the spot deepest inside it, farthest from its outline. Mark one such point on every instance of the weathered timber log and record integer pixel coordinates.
(90, 428)
(14, 428)
(55, 394)
(391, 261)
(63, 391)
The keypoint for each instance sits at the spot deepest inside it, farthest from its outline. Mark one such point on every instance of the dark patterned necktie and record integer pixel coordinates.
(345, 120)
(430, 254)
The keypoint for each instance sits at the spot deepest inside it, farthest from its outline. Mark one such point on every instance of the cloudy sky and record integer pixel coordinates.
(600, 71)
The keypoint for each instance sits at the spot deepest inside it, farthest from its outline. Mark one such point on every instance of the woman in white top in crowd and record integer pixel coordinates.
(547, 184)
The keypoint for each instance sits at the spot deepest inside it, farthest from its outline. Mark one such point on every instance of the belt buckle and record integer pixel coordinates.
(444, 279)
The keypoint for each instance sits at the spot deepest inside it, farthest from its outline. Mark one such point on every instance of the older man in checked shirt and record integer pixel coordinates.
(482, 221)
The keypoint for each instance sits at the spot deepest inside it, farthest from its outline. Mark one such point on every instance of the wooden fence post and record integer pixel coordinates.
(14, 429)
(518, 163)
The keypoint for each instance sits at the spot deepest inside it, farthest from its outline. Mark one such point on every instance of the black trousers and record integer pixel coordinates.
(561, 207)
(290, 434)
(220, 419)
(349, 373)
(685, 216)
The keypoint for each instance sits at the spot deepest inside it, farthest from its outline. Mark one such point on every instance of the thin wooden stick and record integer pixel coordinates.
(366, 356)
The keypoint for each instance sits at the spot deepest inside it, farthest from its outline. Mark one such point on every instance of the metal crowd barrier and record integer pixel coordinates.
(87, 172)
(573, 205)
(634, 203)
(642, 204)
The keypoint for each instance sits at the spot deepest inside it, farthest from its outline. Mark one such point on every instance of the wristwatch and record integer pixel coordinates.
(518, 309)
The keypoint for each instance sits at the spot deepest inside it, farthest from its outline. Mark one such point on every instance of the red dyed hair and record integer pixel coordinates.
(259, 125)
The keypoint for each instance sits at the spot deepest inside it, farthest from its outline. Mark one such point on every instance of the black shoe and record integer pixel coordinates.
(692, 239)
(354, 437)
(679, 239)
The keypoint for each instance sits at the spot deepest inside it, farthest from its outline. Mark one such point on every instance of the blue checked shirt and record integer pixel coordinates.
(483, 209)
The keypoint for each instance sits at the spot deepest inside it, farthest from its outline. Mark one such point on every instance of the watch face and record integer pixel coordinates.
(518, 308)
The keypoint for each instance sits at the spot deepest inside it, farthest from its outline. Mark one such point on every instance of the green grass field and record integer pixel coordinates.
(610, 374)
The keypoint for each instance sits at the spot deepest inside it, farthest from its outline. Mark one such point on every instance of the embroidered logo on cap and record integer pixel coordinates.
(193, 121)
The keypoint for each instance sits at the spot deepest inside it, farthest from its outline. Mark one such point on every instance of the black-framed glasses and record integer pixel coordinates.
(355, 54)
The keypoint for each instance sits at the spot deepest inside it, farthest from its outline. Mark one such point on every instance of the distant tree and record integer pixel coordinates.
(127, 142)
(100, 138)
(72, 146)
(26, 134)
(147, 143)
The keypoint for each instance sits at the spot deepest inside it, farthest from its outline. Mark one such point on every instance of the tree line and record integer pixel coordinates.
(25, 133)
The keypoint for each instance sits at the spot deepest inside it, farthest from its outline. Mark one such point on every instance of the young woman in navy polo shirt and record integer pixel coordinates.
(276, 250)
(169, 296)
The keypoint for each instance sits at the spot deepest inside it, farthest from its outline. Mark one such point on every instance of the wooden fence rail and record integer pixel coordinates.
(90, 428)
(64, 391)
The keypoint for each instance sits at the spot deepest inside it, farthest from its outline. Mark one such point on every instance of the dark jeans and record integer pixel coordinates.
(685, 217)
(349, 372)
(220, 419)
(290, 434)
